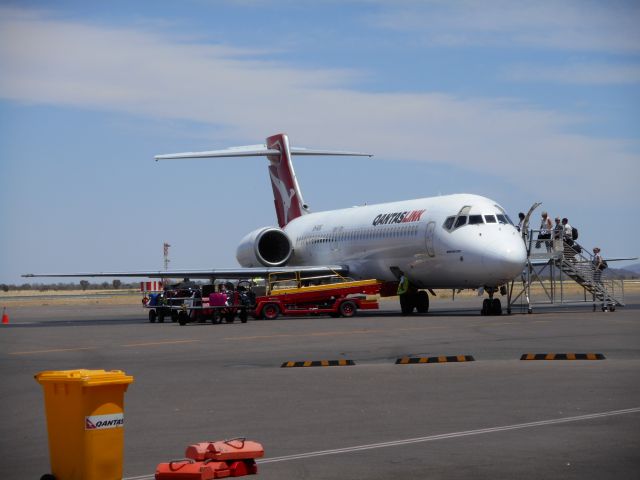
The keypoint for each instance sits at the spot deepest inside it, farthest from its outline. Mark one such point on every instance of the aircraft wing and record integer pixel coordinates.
(224, 273)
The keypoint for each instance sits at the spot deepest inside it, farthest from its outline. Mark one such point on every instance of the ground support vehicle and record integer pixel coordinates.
(344, 299)
(202, 303)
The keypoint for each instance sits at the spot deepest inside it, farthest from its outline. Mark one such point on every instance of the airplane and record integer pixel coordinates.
(460, 241)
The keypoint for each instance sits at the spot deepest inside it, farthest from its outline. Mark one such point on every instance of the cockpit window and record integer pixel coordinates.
(465, 210)
(475, 219)
(461, 220)
(490, 219)
(448, 223)
(504, 218)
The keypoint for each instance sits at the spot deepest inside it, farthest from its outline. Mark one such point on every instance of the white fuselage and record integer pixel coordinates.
(376, 241)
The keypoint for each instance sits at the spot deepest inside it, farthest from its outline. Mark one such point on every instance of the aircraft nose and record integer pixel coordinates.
(509, 258)
(514, 256)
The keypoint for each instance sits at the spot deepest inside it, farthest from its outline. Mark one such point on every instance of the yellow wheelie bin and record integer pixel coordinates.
(85, 423)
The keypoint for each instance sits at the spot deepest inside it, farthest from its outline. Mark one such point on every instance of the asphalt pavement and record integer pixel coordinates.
(494, 417)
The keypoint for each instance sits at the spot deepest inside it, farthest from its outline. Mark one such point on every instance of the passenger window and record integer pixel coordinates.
(490, 219)
(448, 223)
(475, 219)
(502, 219)
(462, 219)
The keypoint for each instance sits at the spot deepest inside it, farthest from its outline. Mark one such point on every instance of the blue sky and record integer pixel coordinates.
(518, 101)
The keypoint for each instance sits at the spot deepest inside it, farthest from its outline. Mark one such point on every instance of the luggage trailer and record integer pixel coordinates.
(199, 303)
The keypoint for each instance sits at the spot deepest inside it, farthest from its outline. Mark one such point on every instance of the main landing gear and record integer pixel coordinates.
(491, 306)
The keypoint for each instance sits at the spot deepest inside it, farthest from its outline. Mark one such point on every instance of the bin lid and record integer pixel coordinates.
(88, 378)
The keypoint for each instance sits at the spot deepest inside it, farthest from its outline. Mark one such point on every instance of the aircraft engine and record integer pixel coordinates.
(264, 247)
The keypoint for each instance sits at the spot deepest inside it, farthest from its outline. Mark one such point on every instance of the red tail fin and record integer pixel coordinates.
(286, 191)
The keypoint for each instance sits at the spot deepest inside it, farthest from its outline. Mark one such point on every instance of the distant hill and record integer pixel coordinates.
(628, 272)
(635, 267)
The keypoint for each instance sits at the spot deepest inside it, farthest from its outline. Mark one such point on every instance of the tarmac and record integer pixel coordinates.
(494, 417)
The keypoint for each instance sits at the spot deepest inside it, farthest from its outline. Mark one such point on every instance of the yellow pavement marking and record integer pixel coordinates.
(53, 350)
(168, 342)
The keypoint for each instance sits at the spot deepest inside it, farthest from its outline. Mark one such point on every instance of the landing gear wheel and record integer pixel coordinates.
(486, 307)
(152, 316)
(244, 316)
(422, 302)
(271, 311)
(348, 309)
(496, 307)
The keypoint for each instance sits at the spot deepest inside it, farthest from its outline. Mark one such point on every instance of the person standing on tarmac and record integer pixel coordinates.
(403, 289)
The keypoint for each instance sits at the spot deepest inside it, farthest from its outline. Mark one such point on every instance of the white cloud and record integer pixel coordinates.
(66, 63)
(577, 74)
(570, 25)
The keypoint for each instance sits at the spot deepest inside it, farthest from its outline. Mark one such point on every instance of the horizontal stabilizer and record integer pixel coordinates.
(257, 151)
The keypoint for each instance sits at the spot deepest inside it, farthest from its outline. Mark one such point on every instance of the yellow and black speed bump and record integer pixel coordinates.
(319, 363)
(441, 359)
(563, 356)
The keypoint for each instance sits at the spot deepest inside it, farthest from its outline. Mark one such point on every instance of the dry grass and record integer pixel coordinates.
(29, 298)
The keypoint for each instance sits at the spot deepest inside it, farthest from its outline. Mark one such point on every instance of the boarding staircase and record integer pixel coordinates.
(551, 262)
(580, 267)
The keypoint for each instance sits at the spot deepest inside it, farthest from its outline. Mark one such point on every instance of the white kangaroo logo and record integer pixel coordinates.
(284, 195)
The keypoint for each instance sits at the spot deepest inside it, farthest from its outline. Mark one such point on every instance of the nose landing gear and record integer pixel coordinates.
(491, 306)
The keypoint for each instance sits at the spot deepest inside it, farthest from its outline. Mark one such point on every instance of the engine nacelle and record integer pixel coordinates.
(265, 247)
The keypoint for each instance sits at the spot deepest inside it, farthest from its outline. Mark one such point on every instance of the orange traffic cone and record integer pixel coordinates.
(5, 317)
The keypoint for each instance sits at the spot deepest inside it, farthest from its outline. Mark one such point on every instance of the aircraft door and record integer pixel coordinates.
(431, 227)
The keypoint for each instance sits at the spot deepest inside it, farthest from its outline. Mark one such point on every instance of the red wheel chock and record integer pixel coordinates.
(209, 460)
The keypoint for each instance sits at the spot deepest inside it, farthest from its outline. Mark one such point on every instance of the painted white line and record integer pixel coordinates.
(432, 438)
(449, 435)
